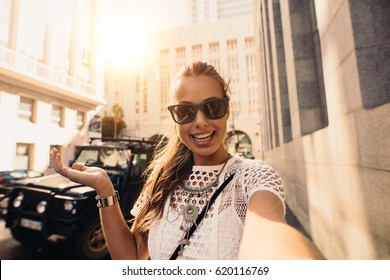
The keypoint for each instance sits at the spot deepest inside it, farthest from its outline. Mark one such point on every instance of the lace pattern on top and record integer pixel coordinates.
(219, 234)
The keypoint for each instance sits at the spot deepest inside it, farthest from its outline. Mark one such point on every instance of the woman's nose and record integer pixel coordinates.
(200, 119)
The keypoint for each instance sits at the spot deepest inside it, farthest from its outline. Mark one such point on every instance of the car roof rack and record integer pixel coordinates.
(129, 141)
(122, 139)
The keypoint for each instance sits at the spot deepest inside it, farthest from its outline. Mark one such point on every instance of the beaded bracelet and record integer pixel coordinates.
(107, 201)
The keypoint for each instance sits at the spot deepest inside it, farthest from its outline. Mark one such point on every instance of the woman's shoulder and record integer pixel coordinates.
(249, 166)
(255, 174)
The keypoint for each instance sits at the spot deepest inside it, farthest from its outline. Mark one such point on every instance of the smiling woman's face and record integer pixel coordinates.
(204, 137)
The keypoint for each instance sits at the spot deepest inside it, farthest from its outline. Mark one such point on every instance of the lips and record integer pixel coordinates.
(204, 137)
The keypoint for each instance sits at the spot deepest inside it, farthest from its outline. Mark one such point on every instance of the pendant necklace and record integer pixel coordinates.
(190, 211)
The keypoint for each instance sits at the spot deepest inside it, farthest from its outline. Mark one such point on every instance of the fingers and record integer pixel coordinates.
(94, 177)
(79, 167)
(58, 165)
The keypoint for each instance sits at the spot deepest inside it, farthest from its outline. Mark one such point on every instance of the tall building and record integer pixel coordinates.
(199, 11)
(51, 78)
(228, 44)
(324, 77)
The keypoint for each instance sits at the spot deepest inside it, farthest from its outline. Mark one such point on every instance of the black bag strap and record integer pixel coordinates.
(201, 215)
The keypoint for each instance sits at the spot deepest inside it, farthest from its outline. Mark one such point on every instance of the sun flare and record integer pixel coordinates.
(125, 43)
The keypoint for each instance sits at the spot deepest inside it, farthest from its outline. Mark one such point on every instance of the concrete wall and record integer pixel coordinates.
(338, 176)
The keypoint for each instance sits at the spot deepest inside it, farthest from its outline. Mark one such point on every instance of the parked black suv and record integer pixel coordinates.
(52, 205)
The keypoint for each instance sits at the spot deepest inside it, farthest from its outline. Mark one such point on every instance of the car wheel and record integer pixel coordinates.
(91, 243)
(27, 237)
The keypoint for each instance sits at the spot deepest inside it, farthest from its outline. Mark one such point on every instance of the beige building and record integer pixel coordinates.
(324, 73)
(200, 11)
(227, 44)
(51, 78)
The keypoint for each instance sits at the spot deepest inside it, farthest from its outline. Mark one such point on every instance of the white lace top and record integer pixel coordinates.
(219, 234)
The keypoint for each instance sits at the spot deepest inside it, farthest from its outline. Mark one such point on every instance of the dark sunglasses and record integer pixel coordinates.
(212, 109)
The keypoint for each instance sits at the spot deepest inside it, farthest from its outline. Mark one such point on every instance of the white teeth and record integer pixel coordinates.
(202, 137)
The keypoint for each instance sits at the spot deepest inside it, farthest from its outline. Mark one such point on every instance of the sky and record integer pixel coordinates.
(128, 22)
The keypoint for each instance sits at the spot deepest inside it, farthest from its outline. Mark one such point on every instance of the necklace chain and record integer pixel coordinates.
(190, 212)
(186, 190)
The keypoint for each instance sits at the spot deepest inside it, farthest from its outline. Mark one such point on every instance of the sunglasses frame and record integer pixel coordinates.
(200, 107)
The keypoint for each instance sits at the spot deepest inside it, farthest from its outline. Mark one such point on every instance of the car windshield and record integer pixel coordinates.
(109, 157)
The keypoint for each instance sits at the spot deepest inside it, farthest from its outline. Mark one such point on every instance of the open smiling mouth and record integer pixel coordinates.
(204, 137)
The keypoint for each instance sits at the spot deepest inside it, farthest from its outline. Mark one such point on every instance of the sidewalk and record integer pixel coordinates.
(293, 221)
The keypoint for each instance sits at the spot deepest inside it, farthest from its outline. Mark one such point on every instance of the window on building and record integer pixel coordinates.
(57, 115)
(206, 10)
(308, 66)
(27, 109)
(251, 71)
(197, 53)
(85, 40)
(145, 94)
(231, 45)
(180, 58)
(194, 11)
(137, 84)
(24, 156)
(137, 94)
(5, 22)
(370, 25)
(282, 74)
(164, 82)
(234, 76)
(214, 55)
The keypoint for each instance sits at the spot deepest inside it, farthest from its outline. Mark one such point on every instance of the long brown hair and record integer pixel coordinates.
(172, 162)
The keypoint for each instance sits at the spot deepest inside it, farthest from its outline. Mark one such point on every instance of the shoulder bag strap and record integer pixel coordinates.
(202, 214)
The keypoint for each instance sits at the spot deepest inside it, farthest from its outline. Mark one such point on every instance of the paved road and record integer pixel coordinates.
(293, 221)
(10, 249)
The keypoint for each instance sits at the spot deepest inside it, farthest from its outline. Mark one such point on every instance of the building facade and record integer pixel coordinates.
(324, 75)
(199, 11)
(228, 44)
(51, 78)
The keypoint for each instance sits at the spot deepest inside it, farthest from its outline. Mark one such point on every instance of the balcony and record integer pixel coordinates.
(21, 71)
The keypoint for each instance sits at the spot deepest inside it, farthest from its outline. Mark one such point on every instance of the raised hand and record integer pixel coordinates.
(94, 177)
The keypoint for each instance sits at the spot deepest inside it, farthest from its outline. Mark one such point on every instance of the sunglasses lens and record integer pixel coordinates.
(183, 113)
(214, 109)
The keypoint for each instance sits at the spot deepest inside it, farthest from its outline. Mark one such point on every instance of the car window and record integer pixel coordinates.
(115, 157)
(139, 164)
(18, 174)
(110, 157)
(88, 157)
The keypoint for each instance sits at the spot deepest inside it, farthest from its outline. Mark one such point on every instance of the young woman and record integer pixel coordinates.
(247, 218)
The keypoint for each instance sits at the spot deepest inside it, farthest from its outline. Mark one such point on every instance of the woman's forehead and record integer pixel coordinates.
(196, 89)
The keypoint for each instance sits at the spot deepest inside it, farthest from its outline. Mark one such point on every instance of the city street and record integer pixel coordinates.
(51, 250)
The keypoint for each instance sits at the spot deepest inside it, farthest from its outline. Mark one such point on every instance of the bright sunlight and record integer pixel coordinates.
(129, 24)
(125, 43)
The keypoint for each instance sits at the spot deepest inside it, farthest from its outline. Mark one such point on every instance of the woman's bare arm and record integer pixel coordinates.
(268, 236)
(121, 241)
